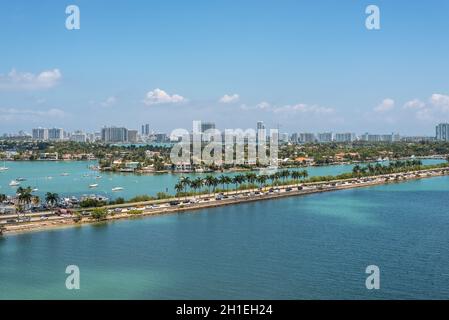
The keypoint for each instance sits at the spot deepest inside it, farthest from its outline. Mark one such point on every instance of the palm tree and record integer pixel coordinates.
(261, 179)
(222, 180)
(296, 175)
(284, 174)
(305, 174)
(276, 177)
(51, 198)
(179, 188)
(197, 184)
(225, 180)
(250, 177)
(238, 179)
(185, 182)
(356, 170)
(24, 196)
(209, 182)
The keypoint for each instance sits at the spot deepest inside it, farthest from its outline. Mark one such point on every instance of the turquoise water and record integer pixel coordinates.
(311, 247)
(46, 176)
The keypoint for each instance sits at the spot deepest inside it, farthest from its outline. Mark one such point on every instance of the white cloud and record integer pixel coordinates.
(385, 105)
(263, 105)
(15, 80)
(110, 101)
(441, 101)
(229, 98)
(158, 96)
(414, 104)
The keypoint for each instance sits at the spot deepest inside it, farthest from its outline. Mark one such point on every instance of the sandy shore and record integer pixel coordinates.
(244, 196)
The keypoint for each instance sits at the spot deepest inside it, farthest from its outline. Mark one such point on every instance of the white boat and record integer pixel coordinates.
(117, 189)
(35, 190)
(65, 174)
(93, 185)
(4, 168)
(14, 183)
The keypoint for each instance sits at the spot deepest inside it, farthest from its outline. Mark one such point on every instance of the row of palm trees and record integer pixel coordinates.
(385, 169)
(250, 178)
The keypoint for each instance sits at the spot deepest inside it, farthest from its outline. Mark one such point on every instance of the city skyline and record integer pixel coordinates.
(120, 134)
(253, 62)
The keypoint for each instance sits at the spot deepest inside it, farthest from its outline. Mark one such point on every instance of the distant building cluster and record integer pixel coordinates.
(113, 134)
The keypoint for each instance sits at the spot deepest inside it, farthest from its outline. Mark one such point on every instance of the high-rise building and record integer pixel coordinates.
(114, 134)
(442, 132)
(325, 137)
(55, 134)
(207, 126)
(380, 137)
(294, 138)
(40, 134)
(306, 137)
(344, 137)
(132, 136)
(145, 130)
(260, 131)
(78, 136)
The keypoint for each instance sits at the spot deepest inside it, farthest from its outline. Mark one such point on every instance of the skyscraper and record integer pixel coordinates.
(114, 134)
(145, 130)
(132, 136)
(55, 134)
(40, 134)
(442, 132)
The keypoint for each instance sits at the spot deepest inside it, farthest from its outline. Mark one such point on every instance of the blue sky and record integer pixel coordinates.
(305, 65)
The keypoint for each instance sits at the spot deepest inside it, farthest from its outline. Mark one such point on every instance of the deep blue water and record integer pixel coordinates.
(311, 247)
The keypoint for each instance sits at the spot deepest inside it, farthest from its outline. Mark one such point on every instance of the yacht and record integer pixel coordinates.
(117, 189)
(93, 185)
(14, 183)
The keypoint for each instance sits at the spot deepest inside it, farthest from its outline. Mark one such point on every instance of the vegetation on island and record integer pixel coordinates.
(156, 158)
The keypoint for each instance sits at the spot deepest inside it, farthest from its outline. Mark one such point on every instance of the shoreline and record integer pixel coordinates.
(235, 198)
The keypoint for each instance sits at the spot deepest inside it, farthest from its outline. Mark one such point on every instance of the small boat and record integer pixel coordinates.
(14, 183)
(65, 174)
(117, 189)
(35, 190)
(21, 179)
(98, 177)
(4, 168)
(93, 185)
